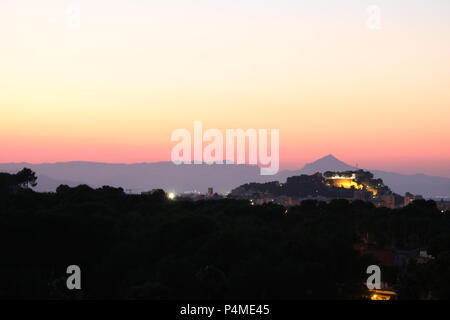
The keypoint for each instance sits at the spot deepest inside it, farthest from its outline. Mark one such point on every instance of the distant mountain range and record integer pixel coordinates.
(140, 177)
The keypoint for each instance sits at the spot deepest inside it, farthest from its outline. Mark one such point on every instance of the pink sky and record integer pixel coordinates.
(114, 89)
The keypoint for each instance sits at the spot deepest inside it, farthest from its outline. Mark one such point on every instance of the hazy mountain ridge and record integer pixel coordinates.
(143, 176)
(139, 177)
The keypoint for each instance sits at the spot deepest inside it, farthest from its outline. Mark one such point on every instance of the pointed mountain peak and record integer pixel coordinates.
(327, 163)
(328, 157)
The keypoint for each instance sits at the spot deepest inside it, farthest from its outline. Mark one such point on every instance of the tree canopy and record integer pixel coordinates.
(150, 247)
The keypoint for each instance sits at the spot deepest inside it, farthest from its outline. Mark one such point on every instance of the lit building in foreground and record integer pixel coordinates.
(382, 295)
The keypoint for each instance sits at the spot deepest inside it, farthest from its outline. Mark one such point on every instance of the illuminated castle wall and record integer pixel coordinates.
(348, 182)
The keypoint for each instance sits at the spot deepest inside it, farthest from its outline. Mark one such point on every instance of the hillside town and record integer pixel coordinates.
(349, 185)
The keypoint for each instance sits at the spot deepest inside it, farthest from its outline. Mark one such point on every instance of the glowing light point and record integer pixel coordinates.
(171, 195)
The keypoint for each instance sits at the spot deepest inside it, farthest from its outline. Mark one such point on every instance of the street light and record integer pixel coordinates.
(171, 196)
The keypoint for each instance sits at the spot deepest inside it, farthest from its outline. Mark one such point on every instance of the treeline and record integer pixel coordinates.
(150, 247)
(10, 183)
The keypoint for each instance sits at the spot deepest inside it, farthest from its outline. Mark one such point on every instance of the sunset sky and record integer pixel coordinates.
(114, 89)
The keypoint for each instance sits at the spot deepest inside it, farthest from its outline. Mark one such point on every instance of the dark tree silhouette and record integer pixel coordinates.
(11, 183)
(26, 178)
(150, 247)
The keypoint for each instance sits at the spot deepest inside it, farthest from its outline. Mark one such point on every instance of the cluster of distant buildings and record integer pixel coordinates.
(379, 196)
(391, 201)
(197, 196)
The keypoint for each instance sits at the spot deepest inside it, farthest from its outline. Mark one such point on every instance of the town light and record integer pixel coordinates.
(171, 195)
